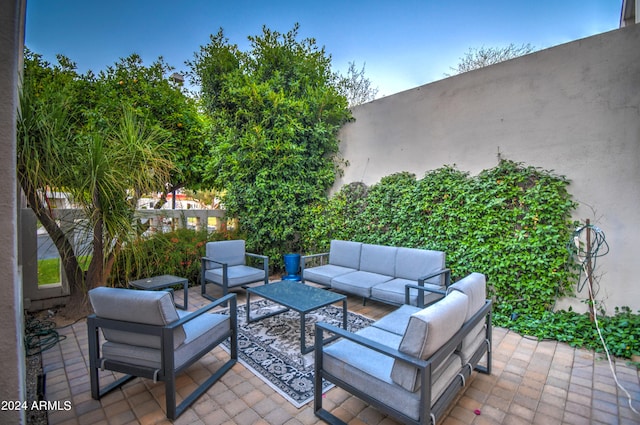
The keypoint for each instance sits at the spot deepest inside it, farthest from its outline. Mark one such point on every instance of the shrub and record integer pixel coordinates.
(177, 253)
(621, 332)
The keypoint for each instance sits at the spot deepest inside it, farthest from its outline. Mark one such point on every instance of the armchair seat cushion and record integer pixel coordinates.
(237, 275)
(370, 371)
(325, 273)
(396, 322)
(199, 333)
(393, 292)
(358, 283)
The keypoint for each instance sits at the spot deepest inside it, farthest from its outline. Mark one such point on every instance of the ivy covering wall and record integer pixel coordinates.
(511, 222)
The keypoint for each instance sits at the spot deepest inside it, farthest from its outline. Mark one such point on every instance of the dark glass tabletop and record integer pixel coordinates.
(297, 295)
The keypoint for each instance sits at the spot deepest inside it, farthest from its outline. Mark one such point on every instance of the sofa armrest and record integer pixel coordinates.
(421, 290)
(447, 277)
(304, 258)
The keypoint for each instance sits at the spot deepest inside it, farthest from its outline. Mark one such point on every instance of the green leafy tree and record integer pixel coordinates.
(275, 111)
(101, 162)
(162, 102)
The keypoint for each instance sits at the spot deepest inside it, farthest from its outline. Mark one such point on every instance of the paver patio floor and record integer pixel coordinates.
(532, 382)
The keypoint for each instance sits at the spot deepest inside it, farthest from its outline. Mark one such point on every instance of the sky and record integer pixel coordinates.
(401, 43)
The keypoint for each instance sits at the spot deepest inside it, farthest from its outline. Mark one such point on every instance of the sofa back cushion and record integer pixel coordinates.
(428, 330)
(474, 286)
(412, 264)
(129, 305)
(345, 254)
(378, 259)
(230, 252)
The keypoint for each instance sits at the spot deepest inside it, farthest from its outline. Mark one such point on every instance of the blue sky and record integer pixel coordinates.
(403, 43)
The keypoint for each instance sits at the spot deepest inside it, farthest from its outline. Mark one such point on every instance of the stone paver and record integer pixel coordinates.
(532, 382)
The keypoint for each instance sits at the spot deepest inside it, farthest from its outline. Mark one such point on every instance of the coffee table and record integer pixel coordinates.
(298, 297)
(162, 282)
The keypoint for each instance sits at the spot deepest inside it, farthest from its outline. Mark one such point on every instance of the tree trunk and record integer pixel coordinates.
(95, 272)
(68, 258)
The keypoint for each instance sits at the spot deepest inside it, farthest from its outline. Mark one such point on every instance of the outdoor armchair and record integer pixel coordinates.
(143, 335)
(225, 265)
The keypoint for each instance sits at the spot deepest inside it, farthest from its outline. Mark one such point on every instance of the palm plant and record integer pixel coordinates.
(102, 167)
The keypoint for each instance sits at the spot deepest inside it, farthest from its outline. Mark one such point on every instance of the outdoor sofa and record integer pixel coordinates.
(412, 363)
(379, 272)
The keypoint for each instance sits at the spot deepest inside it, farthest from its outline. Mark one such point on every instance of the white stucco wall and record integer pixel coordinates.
(12, 358)
(574, 109)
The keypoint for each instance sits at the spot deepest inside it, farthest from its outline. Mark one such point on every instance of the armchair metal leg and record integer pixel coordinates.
(97, 393)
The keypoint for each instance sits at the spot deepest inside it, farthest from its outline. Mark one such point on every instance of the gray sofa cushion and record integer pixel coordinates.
(236, 275)
(474, 286)
(378, 259)
(200, 332)
(130, 305)
(358, 283)
(230, 252)
(325, 273)
(427, 331)
(345, 254)
(412, 264)
(370, 371)
(393, 291)
(396, 322)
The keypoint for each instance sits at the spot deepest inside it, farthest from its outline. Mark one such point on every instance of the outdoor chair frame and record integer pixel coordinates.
(167, 371)
(235, 263)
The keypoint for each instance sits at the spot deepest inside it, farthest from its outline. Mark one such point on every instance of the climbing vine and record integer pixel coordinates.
(511, 222)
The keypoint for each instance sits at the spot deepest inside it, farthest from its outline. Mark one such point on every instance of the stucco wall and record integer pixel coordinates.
(11, 331)
(574, 109)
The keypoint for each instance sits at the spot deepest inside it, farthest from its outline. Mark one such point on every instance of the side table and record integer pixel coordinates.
(162, 282)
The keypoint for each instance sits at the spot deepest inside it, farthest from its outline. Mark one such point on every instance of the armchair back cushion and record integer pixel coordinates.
(345, 254)
(427, 331)
(145, 307)
(412, 264)
(230, 252)
(378, 259)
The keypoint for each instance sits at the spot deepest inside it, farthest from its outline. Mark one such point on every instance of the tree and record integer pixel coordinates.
(476, 58)
(356, 87)
(102, 161)
(164, 105)
(276, 111)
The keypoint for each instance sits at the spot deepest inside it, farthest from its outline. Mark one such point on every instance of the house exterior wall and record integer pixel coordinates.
(574, 109)
(11, 315)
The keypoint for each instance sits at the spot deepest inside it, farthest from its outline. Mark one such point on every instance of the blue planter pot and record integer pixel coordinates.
(292, 267)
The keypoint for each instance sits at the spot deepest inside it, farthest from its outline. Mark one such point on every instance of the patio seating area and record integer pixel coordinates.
(539, 382)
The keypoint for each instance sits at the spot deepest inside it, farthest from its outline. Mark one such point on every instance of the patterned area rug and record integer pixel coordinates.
(271, 347)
